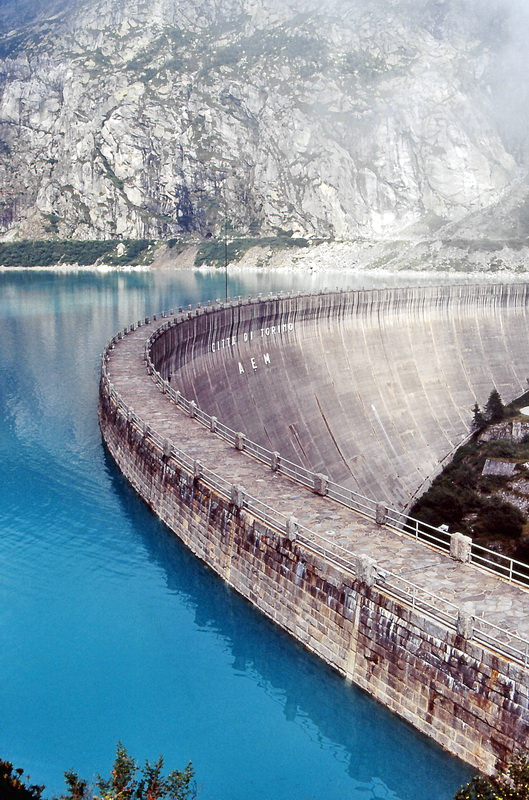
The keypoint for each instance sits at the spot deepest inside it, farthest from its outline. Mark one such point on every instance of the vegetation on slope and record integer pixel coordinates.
(485, 506)
(214, 252)
(48, 253)
(133, 252)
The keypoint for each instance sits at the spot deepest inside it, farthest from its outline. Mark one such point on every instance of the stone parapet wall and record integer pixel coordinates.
(472, 702)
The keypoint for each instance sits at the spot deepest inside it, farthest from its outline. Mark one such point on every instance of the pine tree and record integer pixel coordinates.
(494, 409)
(150, 784)
(478, 419)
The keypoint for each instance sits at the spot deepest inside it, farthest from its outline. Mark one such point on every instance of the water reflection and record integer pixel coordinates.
(378, 751)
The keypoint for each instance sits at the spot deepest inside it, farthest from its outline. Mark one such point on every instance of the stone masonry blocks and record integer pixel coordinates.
(470, 701)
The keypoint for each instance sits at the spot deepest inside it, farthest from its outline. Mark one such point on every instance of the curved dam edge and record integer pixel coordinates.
(372, 388)
(471, 701)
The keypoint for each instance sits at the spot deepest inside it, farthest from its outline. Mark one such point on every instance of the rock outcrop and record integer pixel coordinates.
(149, 118)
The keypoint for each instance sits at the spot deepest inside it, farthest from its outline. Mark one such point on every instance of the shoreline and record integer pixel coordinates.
(476, 276)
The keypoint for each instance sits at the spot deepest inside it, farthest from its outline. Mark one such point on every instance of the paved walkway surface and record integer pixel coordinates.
(495, 600)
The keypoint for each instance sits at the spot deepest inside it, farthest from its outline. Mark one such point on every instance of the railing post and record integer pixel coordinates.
(237, 496)
(197, 469)
(213, 424)
(366, 570)
(321, 484)
(192, 409)
(167, 447)
(275, 461)
(240, 440)
(465, 623)
(292, 529)
(461, 547)
(381, 513)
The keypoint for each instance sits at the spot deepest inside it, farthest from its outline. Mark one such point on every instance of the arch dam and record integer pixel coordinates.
(374, 389)
(283, 439)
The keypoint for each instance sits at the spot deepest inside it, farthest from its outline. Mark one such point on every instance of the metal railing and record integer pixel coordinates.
(507, 568)
(497, 639)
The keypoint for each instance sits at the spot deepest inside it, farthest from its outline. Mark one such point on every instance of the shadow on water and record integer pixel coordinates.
(371, 741)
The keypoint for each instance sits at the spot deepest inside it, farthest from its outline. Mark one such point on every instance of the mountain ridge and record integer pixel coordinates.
(122, 118)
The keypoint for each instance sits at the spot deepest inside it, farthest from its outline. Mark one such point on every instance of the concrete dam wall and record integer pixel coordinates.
(441, 643)
(372, 388)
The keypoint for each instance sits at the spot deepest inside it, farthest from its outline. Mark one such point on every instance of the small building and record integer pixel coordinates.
(493, 466)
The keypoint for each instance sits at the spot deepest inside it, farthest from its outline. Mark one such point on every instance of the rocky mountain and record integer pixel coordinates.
(339, 120)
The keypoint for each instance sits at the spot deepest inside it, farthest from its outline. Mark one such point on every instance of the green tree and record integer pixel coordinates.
(478, 418)
(78, 789)
(500, 518)
(510, 783)
(122, 777)
(494, 409)
(128, 782)
(13, 787)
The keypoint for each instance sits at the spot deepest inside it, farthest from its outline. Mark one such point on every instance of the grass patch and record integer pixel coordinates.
(213, 252)
(29, 253)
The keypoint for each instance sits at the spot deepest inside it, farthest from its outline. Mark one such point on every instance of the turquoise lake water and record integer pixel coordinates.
(110, 629)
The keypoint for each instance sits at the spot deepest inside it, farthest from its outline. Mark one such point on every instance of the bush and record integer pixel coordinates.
(462, 475)
(134, 249)
(500, 518)
(500, 448)
(49, 253)
(442, 504)
(12, 787)
(493, 483)
(510, 783)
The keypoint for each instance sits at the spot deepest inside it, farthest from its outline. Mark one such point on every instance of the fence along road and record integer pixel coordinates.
(410, 571)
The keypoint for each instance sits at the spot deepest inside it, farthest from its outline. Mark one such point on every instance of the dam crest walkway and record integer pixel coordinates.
(440, 578)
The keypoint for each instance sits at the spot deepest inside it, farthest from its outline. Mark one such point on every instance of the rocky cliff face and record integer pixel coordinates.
(148, 118)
